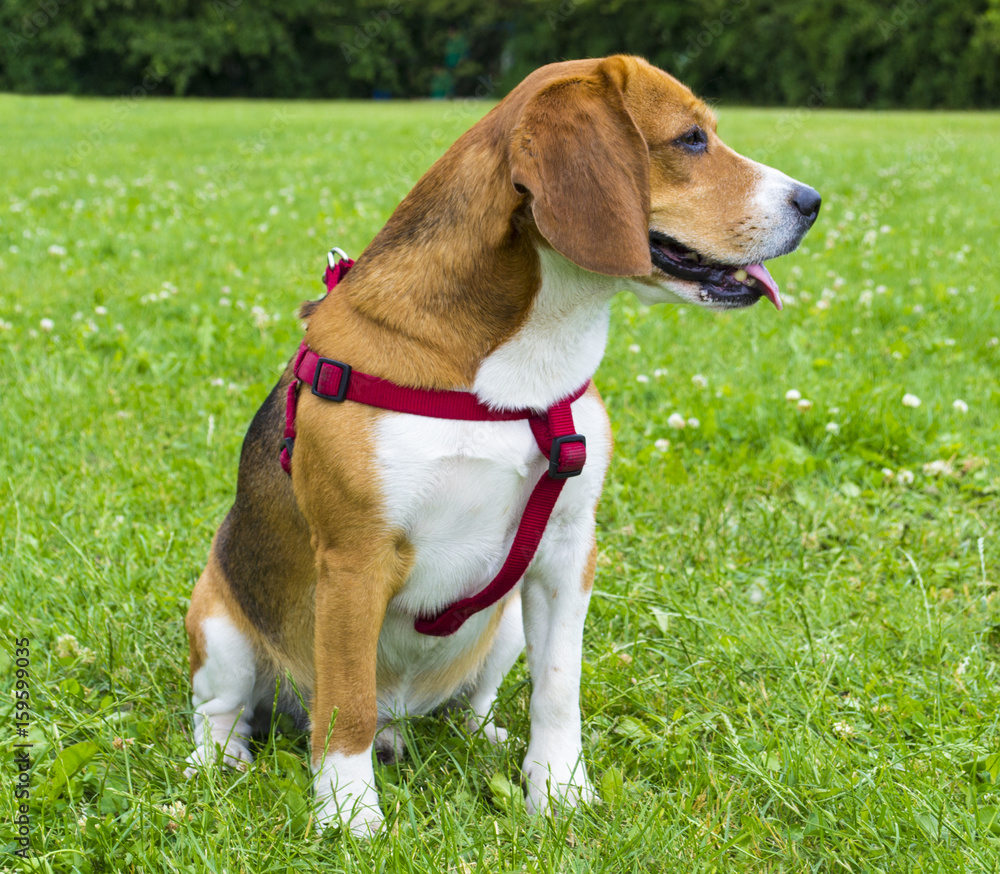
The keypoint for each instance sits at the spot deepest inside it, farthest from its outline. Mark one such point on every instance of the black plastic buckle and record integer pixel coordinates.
(345, 376)
(555, 456)
(289, 445)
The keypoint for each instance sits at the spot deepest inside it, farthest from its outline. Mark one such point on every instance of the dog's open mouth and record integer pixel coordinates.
(727, 285)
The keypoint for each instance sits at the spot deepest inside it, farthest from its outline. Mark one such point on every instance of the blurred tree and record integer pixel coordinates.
(918, 53)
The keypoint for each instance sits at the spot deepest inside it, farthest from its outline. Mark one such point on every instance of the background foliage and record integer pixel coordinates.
(915, 53)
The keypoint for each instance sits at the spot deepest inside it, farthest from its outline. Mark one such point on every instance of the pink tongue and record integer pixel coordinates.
(759, 272)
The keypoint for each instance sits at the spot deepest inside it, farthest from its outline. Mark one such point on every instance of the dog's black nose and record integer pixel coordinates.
(807, 201)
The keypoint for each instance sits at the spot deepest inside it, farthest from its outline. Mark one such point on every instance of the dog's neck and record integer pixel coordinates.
(557, 348)
(458, 291)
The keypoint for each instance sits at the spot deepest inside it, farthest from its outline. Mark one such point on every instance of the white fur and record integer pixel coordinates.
(223, 696)
(555, 606)
(776, 213)
(560, 345)
(345, 793)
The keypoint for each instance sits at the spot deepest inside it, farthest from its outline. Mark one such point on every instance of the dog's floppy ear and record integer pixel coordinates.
(578, 152)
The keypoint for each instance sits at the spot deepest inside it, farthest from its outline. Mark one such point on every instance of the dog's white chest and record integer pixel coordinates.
(456, 490)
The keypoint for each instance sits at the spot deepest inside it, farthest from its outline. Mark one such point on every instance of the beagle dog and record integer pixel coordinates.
(493, 277)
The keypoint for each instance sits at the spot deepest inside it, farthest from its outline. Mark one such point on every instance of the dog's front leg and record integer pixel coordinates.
(350, 607)
(556, 594)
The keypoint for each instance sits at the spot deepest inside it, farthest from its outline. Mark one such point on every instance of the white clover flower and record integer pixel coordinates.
(832, 428)
(218, 382)
(176, 808)
(260, 316)
(101, 311)
(693, 423)
(699, 380)
(887, 474)
(793, 395)
(67, 647)
(5, 326)
(804, 405)
(642, 378)
(225, 302)
(634, 348)
(961, 406)
(843, 729)
(865, 298)
(904, 477)
(660, 371)
(676, 421)
(177, 813)
(662, 444)
(911, 401)
(939, 467)
(46, 324)
(993, 341)
(57, 250)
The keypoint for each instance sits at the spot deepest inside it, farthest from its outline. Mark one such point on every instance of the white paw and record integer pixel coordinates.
(562, 784)
(234, 755)
(345, 794)
(359, 813)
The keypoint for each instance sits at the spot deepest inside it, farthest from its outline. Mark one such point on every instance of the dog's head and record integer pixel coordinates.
(624, 174)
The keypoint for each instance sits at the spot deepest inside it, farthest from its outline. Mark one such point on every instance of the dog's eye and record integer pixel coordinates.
(695, 140)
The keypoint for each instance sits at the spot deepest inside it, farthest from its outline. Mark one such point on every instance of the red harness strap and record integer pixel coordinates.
(553, 432)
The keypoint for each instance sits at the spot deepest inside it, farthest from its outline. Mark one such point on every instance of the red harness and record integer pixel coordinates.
(553, 432)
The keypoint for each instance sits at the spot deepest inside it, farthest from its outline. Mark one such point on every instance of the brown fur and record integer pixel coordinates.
(305, 567)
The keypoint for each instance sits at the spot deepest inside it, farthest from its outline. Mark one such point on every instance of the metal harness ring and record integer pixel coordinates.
(331, 260)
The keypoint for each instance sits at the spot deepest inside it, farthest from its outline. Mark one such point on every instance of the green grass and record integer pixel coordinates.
(792, 655)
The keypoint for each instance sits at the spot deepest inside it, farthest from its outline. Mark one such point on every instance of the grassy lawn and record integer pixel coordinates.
(793, 654)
